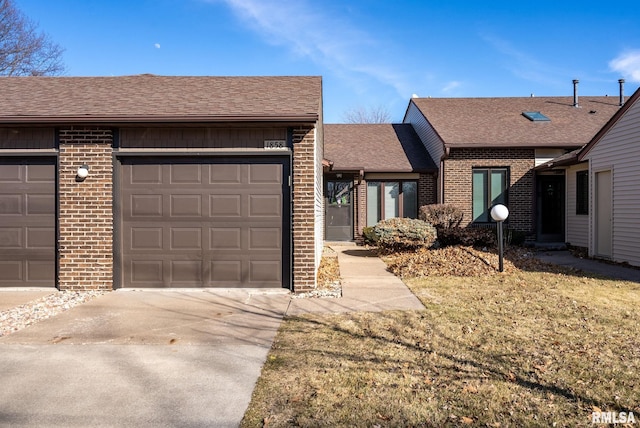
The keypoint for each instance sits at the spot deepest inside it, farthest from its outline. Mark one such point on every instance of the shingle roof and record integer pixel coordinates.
(159, 98)
(486, 122)
(376, 148)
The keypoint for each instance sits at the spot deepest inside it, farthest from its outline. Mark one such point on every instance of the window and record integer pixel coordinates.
(535, 116)
(582, 192)
(388, 199)
(489, 188)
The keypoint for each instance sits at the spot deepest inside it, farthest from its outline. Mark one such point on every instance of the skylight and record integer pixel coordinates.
(535, 116)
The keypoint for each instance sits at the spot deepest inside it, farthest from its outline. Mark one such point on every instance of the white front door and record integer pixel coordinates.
(603, 209)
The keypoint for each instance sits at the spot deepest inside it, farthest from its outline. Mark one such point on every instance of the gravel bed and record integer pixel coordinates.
(14, 319)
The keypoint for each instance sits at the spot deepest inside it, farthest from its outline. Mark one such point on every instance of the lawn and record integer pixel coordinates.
(533, 346)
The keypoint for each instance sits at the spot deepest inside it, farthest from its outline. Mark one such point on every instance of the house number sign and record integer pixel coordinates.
(275, 144)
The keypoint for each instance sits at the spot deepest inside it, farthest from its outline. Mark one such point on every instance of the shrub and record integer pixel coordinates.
(369, 235)
(441, 216)
(404, 234)
(515, 237)
(476, 237)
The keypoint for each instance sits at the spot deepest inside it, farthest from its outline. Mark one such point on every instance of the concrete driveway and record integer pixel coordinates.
(142, 359)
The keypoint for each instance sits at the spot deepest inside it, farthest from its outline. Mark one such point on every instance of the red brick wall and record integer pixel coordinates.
(303, 215)
(427, 191)
(458, 181)
(86, 212)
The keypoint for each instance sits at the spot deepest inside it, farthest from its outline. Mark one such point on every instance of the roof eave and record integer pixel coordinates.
(514, 146)
(303, 118)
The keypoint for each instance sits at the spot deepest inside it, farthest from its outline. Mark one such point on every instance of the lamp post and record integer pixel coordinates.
(500, 213)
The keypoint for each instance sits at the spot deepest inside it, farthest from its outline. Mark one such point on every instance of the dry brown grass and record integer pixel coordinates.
(524, 348)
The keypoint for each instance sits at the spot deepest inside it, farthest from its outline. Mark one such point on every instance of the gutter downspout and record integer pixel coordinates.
(445, 156)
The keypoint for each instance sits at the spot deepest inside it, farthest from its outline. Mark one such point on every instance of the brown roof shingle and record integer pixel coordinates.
(486, 122)
(151, 98)
(376, 148)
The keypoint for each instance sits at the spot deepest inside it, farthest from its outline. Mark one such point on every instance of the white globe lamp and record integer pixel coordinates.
(500, 213)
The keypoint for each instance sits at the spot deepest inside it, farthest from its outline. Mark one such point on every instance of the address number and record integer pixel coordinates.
(275, 144)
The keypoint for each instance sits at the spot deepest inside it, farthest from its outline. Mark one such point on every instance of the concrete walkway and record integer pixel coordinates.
(367, 285)
(164, 358)
(565, 258)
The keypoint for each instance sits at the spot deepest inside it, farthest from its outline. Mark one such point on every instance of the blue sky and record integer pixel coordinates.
(370, 53)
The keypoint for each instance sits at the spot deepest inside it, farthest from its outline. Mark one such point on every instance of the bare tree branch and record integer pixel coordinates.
(363, 115)
(23, 50)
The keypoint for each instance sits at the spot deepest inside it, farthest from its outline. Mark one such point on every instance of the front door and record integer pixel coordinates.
(550, 190)
(603, 205)
(338, 211)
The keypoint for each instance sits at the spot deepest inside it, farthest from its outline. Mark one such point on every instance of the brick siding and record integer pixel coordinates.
(303, 215)
(85, 209)
(458, 181)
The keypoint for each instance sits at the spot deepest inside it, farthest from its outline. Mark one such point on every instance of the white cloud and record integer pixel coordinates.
(454, 84)
(627, 64)
(321, 36)
(523, 65)
(157, 45)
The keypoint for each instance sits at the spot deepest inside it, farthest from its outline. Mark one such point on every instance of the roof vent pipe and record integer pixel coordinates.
(621, 82)
(575, 92)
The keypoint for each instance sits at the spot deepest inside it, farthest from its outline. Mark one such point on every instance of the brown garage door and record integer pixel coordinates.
(210, 223)
(27, 223)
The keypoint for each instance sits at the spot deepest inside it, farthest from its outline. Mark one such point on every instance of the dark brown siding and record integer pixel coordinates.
(27, 138)
(186, 138)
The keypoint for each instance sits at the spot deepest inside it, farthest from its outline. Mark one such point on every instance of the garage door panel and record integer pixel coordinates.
(225, 174)
(27, 222)
(39, 174)
(40, 271)
(186, 205)
(225, 272)
(186, 271)
(145, 206)
(264, 272)
(185, 174)
(11, 204)
(223, 231)
(186, 238)
(265, 206)
(225, 238)
(11, 237)
(265, 238)
(144, 174)
(11, 174)
(145, 273)
(225, 205)
(145, 238)
(260, 174)
(40, 237)
(40, 204)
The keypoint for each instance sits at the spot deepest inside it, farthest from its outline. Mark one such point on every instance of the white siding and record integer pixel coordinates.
(619, 151)
(577, 226)
(545, 155)
(319, 199)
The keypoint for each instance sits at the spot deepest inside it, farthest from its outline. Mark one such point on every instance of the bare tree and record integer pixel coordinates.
(363, 115)
(23, 50)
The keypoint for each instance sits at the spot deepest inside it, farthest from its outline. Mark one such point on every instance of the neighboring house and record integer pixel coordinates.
(373, 172)
(487, 148)
(603, 213)
(192, 182)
